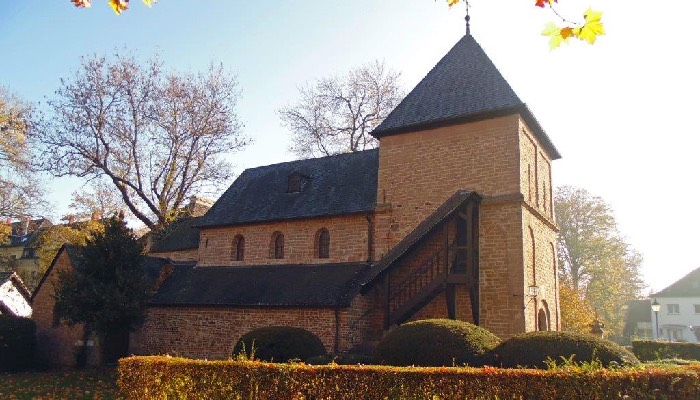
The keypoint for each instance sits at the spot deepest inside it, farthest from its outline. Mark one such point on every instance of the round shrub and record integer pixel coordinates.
(279, 343)
(536, 349)
(436, 342)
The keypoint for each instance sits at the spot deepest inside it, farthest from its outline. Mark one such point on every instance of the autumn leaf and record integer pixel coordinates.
(556, 34)
(452, 2)
(149, 2)
(119, 5)
(567, 32)
(592, 28)
(81, 3)
(542, 3)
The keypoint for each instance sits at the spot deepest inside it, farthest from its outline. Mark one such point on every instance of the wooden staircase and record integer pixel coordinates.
(417, 289)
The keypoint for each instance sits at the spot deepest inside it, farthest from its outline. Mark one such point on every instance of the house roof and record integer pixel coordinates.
(464, 85)
(687, 286)
(317, 285)
(419, 232)
(24, 233)
(152, 265)
(334, 185)
(181, 235)
(17, 282)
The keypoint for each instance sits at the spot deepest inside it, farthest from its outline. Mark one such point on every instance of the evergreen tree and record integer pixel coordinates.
(106, 289)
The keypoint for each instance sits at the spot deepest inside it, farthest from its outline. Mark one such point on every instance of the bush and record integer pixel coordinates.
(17, 340)
(436, 342)
(649, 350)
(535, 349)
(341, 359)
(149, 378)
(279, 343)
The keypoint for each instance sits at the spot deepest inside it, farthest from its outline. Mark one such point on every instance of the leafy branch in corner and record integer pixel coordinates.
(588, 30)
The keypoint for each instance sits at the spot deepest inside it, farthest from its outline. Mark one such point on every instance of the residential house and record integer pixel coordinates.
(678, 319)
(14, 296)
(18, 252)
(638, 323)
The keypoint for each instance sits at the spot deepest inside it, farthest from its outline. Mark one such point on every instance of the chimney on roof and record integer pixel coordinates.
(95, 216)
(121, 215)
(8, 221)
(71, 219)
(198, 206)
(26, 226)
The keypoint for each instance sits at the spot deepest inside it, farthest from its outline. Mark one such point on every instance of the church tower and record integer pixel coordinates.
(463, 129)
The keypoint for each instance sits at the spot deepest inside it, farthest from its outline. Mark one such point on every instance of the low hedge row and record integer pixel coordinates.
(17, 340)
(177, 378)
(649, 350)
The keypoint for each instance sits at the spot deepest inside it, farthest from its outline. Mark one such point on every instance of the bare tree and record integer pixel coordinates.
(158, 137)
(335, 115)
(21, 193)
(95, 197)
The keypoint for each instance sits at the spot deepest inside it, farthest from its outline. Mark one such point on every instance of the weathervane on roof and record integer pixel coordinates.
(467, 17)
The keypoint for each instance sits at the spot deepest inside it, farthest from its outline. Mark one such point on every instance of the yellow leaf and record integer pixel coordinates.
(119, 5)
(452, 2)
(592, 28)
(149, 2)
(555, 35)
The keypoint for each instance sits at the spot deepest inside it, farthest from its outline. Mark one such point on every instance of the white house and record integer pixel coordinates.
(14, 296)
(678, 315)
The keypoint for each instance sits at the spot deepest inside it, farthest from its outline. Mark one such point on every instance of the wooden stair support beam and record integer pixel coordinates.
(415, 303)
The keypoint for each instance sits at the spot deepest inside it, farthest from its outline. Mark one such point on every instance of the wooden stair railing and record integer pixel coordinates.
(417, 289)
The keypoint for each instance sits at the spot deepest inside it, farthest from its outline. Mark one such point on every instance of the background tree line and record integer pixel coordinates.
(598, 269)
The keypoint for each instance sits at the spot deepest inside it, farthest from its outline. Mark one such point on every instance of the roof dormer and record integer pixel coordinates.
(296, 182)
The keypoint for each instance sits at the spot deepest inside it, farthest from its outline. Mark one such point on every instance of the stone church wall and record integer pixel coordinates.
(349, 241)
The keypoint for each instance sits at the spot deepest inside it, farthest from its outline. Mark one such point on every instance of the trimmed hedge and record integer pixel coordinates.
(649, 350)
(342, 359)
(148, 378)
(534, 349)
(436, 343)
(279, 343)
(17, 341)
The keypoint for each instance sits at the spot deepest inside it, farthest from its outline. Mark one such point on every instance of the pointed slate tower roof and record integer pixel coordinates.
(464, 86)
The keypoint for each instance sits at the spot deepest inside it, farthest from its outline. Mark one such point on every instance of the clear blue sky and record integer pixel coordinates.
(621, 112)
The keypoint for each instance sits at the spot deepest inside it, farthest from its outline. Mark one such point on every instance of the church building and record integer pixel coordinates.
(451, 217)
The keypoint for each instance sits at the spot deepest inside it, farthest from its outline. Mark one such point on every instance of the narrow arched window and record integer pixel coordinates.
(238, 248)
(323, 245)
(277, 245)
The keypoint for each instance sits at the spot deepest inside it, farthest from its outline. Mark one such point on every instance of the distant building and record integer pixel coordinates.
(638, 322)
(14, 296)
(679, 316)
(18, 252)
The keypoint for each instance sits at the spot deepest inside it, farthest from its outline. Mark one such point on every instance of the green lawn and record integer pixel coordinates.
(90, 384)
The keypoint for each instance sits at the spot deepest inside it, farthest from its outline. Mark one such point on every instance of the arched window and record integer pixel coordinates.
(543, 317)
(277, 245)
(323, 243)
(238, 248)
